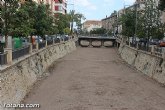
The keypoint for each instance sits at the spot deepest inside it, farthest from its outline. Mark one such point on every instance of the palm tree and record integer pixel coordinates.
(75, 17)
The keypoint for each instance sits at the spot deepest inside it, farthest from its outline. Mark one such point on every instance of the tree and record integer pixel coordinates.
(128, 23)
(27, 19)
(162, 5)
(24, 19)
(75, 17)
(109, 32)
(1, 25)
(8, 9)
(99, 31)
(152, 20)
(60, 1)
(44, 21)
(67, 31)
(78, 19)
(62, 22)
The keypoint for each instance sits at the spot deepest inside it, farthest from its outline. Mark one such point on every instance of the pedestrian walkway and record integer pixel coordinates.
(96, 79)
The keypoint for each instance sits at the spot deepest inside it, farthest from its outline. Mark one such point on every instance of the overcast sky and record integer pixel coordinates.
(97, 9)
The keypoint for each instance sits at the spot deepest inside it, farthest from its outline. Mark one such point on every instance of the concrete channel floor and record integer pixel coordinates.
(96, 79)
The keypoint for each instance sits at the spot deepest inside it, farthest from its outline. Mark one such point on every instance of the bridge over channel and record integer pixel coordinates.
(89, 41)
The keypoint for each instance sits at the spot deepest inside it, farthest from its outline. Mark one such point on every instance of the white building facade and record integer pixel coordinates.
(90, 25)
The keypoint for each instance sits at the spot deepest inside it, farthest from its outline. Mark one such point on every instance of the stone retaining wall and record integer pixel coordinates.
(149, 64)
(17, 79)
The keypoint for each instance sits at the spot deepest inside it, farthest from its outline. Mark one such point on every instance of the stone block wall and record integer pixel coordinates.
(151, 65)
(17, 79)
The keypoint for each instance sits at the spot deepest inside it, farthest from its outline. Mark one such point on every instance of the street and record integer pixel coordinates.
(96, 79)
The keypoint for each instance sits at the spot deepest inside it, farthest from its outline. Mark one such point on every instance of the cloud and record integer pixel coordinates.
(86, 4)
(108, 1)
(129, 1)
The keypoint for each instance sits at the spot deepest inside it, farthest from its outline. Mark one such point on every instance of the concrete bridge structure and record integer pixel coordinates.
(87, 41)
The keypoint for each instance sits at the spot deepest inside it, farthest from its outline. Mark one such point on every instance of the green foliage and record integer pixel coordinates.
(98, 31)
(8, 10)
(162, 5)
(152, 22)
(60, 1)
(128, 23)
(110, 32)
(43, 21)
(75, 17)
(158, 33)
(23, 20)
(1, 25)
(62, 22)
(67, 31)
(148, 22)
(30, 18)
(27, 19)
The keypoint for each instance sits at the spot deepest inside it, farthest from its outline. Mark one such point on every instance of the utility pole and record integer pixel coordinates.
(135, 35)
(6, 28)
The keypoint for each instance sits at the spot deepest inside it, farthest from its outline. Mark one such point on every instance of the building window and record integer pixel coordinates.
(56, 1)
(60, 8)
(56, 8)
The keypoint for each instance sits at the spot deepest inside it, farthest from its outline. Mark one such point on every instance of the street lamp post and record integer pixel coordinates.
(135, 35)
(5, 24)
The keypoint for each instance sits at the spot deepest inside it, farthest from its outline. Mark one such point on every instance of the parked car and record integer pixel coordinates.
(65, 37)
(143, 41)
(154, 42)
(38, 39)
(56, 38)
(161, 43)
(24, 41)
(50, 38)
(134, 39)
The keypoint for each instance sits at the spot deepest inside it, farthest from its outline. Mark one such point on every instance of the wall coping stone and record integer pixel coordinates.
(21, 59)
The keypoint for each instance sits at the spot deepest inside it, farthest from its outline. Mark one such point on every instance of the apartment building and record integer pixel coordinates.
(90, 25)
(60, 6)
(119, 14)
(56, 6)
(109, 23)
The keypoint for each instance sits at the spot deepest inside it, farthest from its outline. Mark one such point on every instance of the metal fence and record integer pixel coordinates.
(144, 47)
(127, 43)
(56, 40)
(34, 46)
(49, 42)
(17, 53)
(1, 47)
(158, 49)
(133, 45)
(139, 46)
(20, 52)
(41, 44)
(3, 58)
